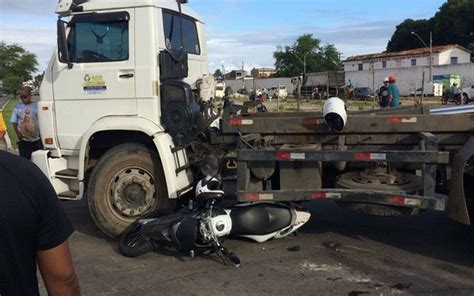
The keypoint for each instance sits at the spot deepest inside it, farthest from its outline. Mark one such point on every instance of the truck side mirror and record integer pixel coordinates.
(62, 44)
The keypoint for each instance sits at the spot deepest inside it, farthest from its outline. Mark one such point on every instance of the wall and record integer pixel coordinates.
(260, 83)
(410, 78)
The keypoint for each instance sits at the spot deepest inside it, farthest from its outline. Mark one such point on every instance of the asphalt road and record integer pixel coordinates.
(340, 253)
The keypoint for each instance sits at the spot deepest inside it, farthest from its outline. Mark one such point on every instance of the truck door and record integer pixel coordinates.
(100, 79)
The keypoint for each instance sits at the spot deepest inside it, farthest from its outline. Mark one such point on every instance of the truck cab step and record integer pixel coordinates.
(67, 174)
(68, 195)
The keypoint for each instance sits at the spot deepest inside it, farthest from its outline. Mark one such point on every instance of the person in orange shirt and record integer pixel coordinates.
(3, 131)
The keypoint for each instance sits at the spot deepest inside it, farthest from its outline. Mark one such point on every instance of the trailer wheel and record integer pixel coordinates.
(408, 183)
(127, 183)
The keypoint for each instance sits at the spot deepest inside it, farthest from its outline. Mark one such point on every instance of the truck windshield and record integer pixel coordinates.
(102, 38)
(172, 33)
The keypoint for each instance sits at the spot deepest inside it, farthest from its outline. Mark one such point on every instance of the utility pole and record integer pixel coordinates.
(431, 52)
(372, 67)
(303, 61)
(431, 57)
(243, 75)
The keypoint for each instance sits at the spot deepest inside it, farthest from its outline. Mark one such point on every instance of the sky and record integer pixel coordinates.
(247, 31)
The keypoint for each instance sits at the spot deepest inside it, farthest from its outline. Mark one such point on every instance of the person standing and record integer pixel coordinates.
(25, 122)
(33, 231)
(3, 131)
(393, 93)
(383, 94)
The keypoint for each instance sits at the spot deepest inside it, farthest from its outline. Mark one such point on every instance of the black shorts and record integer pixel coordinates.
(26, 148)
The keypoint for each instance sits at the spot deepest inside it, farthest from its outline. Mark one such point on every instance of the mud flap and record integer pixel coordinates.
(456, 208)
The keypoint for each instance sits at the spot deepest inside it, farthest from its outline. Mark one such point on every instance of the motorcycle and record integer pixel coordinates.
(203, 226)
(260, 105)
(451, 95)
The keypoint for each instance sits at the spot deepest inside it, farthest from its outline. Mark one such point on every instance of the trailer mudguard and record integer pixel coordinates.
(457, 208)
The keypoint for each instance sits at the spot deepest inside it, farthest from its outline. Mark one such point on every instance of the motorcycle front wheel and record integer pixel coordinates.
(132, 242)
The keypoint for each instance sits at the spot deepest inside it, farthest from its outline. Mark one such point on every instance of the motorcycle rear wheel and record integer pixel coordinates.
(132, 242)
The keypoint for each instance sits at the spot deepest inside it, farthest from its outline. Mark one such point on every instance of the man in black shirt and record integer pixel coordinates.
(33, 230)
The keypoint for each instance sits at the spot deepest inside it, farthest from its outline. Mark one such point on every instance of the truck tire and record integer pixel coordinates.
(127, 183)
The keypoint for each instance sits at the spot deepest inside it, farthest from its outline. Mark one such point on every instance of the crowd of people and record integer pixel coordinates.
(388, 94)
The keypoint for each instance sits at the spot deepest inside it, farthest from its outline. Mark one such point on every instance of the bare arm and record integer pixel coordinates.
(389, 100)
(18, 133)
(57, 270)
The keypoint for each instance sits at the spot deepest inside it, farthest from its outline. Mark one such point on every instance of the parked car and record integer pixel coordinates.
(219, 91)
(468, 94)
(363, 93)
(279, 91)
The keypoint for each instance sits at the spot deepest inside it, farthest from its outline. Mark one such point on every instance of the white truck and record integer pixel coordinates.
(102, 102)
(429, 89)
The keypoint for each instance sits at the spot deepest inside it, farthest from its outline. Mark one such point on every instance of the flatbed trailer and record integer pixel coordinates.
(384, 162)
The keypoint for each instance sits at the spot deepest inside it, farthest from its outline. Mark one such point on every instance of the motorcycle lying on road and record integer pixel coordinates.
(202, 228)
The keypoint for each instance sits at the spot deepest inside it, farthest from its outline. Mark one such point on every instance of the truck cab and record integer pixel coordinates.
(118, 82)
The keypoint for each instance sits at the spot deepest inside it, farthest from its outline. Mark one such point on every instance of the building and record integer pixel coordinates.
(234, 74)
(442, 55)
(409, 66)
(262, 72)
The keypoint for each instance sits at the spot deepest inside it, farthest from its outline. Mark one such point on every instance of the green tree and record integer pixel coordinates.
(402, 39)
(290, 60)
(452, 24)
(16, 66)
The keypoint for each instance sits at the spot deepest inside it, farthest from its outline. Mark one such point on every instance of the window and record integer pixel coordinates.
(413, 62)
(171, 27)
(454, 60)
(361, 67)
(398, 63)
(98, 38)
(384, 64)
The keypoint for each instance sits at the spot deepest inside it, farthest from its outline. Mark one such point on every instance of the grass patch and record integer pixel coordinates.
(7, 113)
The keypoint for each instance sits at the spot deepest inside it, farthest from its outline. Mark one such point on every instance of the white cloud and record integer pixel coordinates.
(256, 47)
(31, 24)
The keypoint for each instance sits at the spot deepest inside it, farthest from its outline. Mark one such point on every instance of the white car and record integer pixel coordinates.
(278, 92)
(220, 90)
(468, 94)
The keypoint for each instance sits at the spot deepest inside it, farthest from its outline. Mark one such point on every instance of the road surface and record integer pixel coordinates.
(337, 253)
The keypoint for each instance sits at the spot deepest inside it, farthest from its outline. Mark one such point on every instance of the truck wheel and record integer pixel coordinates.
(127, 183)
